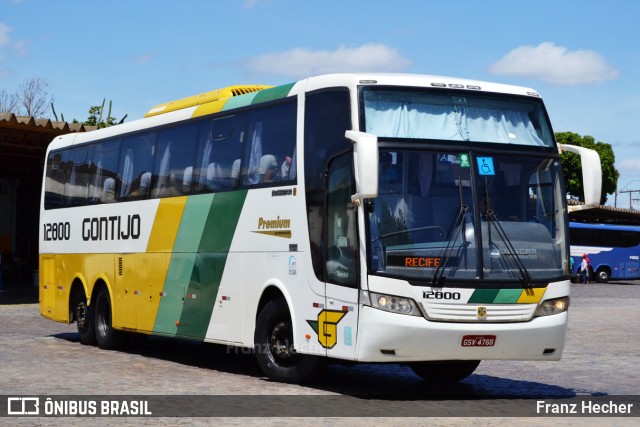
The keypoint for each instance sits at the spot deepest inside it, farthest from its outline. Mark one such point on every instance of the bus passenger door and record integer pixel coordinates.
(339, 320)
(631, 270)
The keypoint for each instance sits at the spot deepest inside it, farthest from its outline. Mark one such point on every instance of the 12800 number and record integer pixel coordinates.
(441, 295)
(57, 231)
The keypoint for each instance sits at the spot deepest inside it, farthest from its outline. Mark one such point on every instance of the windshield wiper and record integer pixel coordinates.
(458, 224)
(527, 281)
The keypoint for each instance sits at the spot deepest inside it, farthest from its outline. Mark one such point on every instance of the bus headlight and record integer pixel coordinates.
(552, 306)
(390, 303)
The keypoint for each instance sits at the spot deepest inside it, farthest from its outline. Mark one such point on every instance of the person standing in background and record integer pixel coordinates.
(584, 269)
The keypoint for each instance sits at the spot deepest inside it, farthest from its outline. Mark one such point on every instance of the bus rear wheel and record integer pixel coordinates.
(603, 275)
(274, 347)
(107, 337)
(447, 371)
(84, 320)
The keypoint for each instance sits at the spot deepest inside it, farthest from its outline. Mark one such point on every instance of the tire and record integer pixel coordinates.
(448, 371)
(84, 318)
(274, 347)
(603, 275)
(106, 337)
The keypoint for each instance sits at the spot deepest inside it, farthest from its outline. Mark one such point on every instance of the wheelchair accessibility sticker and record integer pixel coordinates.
(485, 166)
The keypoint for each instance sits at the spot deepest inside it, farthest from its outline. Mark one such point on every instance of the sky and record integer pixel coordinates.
(582, 56)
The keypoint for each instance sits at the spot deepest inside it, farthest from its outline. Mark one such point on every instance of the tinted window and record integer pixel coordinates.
(104, 177)
(218, 162)
(175, 155)
(77, 185)
(604, 237)
(327, 117)
(58, 171)
(271, 142)
(136, 162)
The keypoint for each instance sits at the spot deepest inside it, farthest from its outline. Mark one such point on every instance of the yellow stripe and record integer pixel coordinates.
(531, 295)
(222, 95)
(209, 108)
(153, 265)
(166, 224)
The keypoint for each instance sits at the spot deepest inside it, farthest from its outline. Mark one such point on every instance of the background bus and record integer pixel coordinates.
(613, 250)
(364, 217)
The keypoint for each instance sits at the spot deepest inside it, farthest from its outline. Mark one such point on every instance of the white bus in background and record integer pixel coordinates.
(377, 218)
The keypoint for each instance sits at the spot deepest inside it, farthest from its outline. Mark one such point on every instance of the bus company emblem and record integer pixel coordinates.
(481, 312)
(327, 323)
(278, 227)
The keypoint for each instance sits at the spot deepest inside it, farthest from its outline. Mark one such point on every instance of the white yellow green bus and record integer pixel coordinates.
(407, 219)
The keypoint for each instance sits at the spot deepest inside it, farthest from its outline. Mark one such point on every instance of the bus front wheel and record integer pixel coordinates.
(448, 371)
(107, 337)
(603, 275)
(274, 347)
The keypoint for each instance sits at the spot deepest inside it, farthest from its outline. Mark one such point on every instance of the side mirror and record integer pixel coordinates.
(365, 159)
(591, 173)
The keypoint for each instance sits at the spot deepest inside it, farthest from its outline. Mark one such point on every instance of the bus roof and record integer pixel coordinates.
(243, 95)
(604, 226)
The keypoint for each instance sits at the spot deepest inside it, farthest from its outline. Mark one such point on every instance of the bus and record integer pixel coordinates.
(386, 218)
(613, 250)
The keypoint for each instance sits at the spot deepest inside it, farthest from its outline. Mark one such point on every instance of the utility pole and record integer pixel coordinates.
(631, 199)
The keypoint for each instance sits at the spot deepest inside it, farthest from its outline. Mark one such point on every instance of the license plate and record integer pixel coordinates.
(478, 340)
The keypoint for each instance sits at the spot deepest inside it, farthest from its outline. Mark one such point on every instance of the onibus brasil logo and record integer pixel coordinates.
(327, 327)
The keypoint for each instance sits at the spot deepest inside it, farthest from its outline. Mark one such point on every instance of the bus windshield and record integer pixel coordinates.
(466, 216)
(456, 117)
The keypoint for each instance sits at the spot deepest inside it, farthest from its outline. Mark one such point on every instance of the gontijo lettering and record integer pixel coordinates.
(111, 228)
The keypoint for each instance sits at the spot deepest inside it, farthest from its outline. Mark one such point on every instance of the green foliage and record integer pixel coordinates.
(572, 169)
(95, 117)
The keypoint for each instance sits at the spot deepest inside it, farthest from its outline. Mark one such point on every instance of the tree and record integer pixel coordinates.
(8, 102)
(572, 169)
(33, 97)
(30, 99)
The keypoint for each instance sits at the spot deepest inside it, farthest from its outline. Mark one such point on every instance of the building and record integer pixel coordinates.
(23, 144)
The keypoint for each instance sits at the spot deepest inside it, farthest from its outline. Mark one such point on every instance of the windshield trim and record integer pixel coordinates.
(480, 279)
(362, 89)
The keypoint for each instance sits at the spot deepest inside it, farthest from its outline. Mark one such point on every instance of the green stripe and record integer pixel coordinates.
(274, 93)
(239, 101)
(210, 260)
(483, 296)
(508, 296)
(182, 261)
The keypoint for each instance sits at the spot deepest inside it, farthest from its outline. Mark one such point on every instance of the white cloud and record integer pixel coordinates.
(21, 47)
(300, 62)
(249, 4)
(4, 34)
(143, 59)
(629, 164)
(555, 64)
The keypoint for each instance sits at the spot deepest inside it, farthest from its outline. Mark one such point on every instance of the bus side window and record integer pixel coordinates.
(104, 166)
(175, 156)
(217, 166)
(58, 171)
(341, 224)
(136, 160)
(271, 144)
(77, 185)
